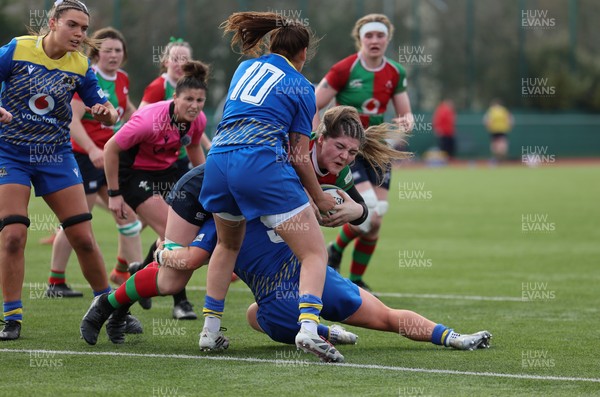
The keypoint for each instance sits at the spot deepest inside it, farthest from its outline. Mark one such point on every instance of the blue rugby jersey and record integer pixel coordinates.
(38, 91)
(267, 99)
(265, 262)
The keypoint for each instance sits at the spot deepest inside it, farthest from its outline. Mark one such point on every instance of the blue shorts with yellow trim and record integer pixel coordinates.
(49, 168)
(279, 316)
(252, 181)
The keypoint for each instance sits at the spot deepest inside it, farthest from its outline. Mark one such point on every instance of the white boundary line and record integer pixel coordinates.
(456, 297)
(383, 294)
(271, 361)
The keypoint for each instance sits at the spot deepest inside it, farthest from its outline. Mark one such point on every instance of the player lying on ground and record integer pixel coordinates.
(334, 146)
(185, 218)
(339, 138)
(184, 211)
(269, 268)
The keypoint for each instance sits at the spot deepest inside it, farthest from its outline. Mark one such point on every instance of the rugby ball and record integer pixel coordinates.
(332, 191)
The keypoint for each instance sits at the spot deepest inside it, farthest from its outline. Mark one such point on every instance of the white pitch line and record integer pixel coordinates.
(271, 361)
(456, 297)
(383, 294)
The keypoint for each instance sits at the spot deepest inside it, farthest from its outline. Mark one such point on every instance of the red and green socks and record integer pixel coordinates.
(57, 277)
(143, 284)
(363, 251)
(121, 265)
(344, 238)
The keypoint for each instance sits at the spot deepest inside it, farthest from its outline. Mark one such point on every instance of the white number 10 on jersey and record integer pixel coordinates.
(256, 83)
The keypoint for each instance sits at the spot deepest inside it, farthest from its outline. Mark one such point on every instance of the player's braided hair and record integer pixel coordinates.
(255, 32)
(342, 121)
(345, 121)
(195, 76)
(58, 8)
(61, 6)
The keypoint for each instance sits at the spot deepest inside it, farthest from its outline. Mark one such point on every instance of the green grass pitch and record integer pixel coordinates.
(513, 250)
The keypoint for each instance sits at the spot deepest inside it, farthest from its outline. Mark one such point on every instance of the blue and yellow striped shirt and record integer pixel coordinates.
(38, 91)
(267, 99)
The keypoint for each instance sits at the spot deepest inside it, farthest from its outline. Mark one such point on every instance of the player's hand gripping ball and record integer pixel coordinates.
(333, 191)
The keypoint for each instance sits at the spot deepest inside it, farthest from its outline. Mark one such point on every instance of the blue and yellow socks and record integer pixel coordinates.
(441, 335)
(13, 311)
(103, 291)
(213, 312)
(310, 308)
(323, 330)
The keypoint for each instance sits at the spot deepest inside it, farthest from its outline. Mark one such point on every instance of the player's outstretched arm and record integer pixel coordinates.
(186, 258)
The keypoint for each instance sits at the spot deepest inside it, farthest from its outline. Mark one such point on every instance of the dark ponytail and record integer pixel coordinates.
(195, 76)
(286, 37)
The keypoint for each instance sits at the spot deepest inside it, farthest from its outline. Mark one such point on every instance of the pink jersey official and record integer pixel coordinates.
(151, 139)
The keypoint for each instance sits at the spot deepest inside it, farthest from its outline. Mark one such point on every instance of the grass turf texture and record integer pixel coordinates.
(465, 230)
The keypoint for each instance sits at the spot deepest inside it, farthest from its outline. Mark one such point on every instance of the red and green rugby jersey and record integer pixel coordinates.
(343, 180)
(369, 91)
(115, 89)
(161, 89)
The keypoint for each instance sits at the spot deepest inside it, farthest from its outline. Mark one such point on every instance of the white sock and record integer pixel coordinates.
(212, 323)
(309, 325)
(453, 335)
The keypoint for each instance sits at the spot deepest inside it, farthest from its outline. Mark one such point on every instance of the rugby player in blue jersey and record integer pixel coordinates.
(333, 147)
(267, 265)
(259, 165)
(40, 74)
